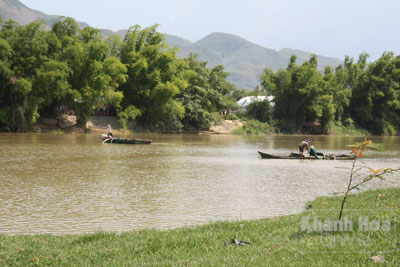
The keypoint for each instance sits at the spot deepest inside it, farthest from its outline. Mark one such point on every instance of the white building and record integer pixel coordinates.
(245, 101)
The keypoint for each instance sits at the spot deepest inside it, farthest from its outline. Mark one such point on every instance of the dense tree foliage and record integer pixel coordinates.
(140, 77)
(361, 93)
(240, 93)
(260, 110)
(207, 93)
(375, 104)
(154, 77)
(25, 54)
(94, 74)
(300, 94)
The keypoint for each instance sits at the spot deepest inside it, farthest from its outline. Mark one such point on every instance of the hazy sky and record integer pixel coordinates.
(327, 27)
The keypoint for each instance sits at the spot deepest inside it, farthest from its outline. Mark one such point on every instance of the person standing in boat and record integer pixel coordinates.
(109, 132)
(305, 144)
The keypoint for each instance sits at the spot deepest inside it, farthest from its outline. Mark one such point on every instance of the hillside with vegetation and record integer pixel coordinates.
(244, 60)
(17, 11)
(14, 9)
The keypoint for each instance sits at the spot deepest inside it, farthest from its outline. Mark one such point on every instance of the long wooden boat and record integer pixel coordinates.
(135, 141)
(297, 156)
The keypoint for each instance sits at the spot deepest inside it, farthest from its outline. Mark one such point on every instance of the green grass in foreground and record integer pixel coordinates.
(273, 241)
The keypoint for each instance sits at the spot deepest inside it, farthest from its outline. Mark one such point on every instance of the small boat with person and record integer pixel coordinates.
(134, 141)
(320, 156)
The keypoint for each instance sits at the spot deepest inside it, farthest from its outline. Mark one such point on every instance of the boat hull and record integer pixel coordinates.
(135, 141)
(264, 155)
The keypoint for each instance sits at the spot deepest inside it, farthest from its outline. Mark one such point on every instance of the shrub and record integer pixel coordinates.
(253, 127)
(231, 117)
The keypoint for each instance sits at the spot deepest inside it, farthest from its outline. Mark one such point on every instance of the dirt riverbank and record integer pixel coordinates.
(99, 124)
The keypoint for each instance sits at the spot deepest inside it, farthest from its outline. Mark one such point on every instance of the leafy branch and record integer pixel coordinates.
(358, 150)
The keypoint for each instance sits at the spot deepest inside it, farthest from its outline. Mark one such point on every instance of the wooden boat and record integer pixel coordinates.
(135, 141)
(297, 156)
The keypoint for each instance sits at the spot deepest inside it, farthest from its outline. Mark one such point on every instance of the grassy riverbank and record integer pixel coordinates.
(273, 242)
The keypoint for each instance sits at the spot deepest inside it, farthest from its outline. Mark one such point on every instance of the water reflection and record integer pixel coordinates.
(72, 183)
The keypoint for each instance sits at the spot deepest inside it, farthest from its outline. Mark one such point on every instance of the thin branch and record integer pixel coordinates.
(348, 188)
(386, 171)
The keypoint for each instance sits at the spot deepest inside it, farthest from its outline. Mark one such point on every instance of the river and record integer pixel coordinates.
(72, 183)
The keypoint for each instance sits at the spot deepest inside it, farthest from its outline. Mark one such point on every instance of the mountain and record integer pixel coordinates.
(244, 60)
(179, 42)
(15, 10)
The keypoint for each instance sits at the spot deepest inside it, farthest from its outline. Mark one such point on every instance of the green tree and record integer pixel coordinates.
(336, 84)
(66, 29)
(375, 102)
(260, 110)
(52, 81)
(114, 43)
(6, 73)
(207, 93)
(153, 78)
(25, 49)
(239, 94)
(94, 75)
(299, 93)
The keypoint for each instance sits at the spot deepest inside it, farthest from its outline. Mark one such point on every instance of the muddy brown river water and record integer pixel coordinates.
(72, 183)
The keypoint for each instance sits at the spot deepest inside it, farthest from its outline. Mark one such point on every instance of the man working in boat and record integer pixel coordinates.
(317, 155)
(109, 132)
(304, 145)
(313, 152)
